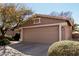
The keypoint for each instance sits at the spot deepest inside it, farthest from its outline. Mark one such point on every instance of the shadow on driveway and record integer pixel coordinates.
(34, 49)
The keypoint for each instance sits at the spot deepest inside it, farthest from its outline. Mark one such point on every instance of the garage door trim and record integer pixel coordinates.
(59, 24)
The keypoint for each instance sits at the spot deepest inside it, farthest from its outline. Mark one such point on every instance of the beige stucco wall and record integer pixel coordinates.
(68, 32)
(43, 21)
(51, 21)
(41, 35)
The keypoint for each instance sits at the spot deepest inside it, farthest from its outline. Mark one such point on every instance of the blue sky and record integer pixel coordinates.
(47, 8)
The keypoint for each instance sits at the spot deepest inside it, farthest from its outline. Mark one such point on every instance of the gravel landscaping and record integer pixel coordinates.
(11, 52)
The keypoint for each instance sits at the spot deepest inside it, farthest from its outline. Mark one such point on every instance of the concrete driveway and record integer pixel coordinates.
(34, 49)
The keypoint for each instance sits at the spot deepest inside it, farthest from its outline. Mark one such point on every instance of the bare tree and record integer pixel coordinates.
(66, 14)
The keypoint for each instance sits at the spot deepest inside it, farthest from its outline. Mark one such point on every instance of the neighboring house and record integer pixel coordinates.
(46, 29)
(12, 33)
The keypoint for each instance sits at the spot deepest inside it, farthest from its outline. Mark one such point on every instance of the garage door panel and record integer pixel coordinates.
(41, 35)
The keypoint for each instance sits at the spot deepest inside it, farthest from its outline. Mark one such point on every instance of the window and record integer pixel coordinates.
(36, 21)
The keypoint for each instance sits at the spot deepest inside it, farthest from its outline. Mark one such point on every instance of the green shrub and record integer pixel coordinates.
(64, 48)
(16, 37)
(4, 42)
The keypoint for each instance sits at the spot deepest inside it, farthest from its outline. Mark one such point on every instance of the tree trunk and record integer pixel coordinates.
(3, 33)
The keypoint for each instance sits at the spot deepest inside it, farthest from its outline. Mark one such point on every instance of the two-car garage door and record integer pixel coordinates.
(47, 34)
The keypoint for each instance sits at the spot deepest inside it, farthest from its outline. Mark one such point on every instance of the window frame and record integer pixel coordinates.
(39, 21)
